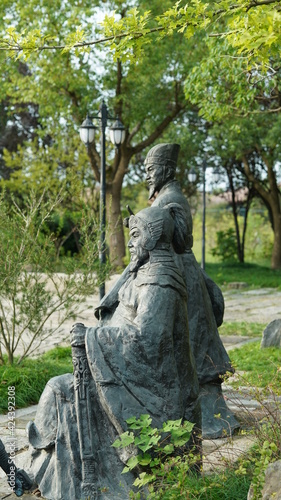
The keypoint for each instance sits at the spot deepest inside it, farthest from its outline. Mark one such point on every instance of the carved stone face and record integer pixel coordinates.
(154, 177)
(138, 237)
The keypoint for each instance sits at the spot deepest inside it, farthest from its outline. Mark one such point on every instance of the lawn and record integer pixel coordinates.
(254, 275)
(30, 377)
(260, 367)
(242, 329)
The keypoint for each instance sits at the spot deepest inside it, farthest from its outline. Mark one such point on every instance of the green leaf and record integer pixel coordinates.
(144, 459)
(126, 439)
(171, 424)
(131, 464)
(144, 479)
(168, 449)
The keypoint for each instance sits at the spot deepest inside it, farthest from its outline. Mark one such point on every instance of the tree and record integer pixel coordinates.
(240, 62)
(147, 97)
(236, 181)
(250, 134)
(251, 27)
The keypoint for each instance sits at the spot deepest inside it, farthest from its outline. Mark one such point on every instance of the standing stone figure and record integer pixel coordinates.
(205, 303)
(137, 361)
(212, 361)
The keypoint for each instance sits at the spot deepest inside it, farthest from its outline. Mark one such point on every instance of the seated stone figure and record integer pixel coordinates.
(135, 362)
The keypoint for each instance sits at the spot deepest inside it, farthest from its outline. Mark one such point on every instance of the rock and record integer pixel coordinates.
(272, 486)
(271, 336)
(237, 284)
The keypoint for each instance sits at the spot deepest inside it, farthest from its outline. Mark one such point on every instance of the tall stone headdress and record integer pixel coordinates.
(158, 223)
(164, 154)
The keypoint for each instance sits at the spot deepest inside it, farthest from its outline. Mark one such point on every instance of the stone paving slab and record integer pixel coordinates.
(234, 341)
(252, 306)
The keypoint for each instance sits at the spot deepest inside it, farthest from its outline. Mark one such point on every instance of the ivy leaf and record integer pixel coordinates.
(139, 423)
(144, 459)
(126, 439)
(144, 479)
(131, 464)
(168, 449)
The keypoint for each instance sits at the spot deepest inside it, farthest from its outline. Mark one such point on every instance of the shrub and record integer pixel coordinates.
(226, 248)
(30, 289)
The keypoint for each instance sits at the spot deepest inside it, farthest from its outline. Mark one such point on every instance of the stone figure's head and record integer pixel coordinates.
(160, 166)
(150, 228)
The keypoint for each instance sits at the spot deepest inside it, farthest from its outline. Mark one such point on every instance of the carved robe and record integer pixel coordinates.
(210, 355)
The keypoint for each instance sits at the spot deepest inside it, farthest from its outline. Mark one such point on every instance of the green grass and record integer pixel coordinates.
(31, 376)
(225, 486)
(242, 329)
(179, 484)
(262, 367)
(255, 275)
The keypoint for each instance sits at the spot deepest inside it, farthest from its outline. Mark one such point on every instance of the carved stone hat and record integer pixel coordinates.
(158, 224)
(164, 154)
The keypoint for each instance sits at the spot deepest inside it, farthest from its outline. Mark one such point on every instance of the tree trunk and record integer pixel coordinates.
(276, 253)
(115, 229)
(240, 250)
(271, 198)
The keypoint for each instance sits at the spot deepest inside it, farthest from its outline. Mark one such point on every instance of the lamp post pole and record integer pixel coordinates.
(117, 137)
(204, 216)
(103, 117)
(192, 178)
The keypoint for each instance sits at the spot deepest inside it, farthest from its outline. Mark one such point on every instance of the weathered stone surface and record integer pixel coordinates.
(272, 486)
(271, 336)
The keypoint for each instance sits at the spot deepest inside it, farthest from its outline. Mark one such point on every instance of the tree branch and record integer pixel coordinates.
(136, 35)
(178, 107)
(16, 47)
(134, 131)
(250, 176)
(257, 3)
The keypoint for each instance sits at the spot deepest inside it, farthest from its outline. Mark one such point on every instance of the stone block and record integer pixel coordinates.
(271, 336)
(272, 486)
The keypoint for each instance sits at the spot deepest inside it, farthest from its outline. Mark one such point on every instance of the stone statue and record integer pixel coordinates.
(205, 301)
(137, 361)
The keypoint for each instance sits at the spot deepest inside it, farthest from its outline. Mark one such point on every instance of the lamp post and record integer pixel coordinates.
(192, 178)
(204, 165)
(117, 137)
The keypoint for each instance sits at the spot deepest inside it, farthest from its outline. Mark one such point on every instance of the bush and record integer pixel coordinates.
(171, 476)
(30, 289)
(226, 248)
